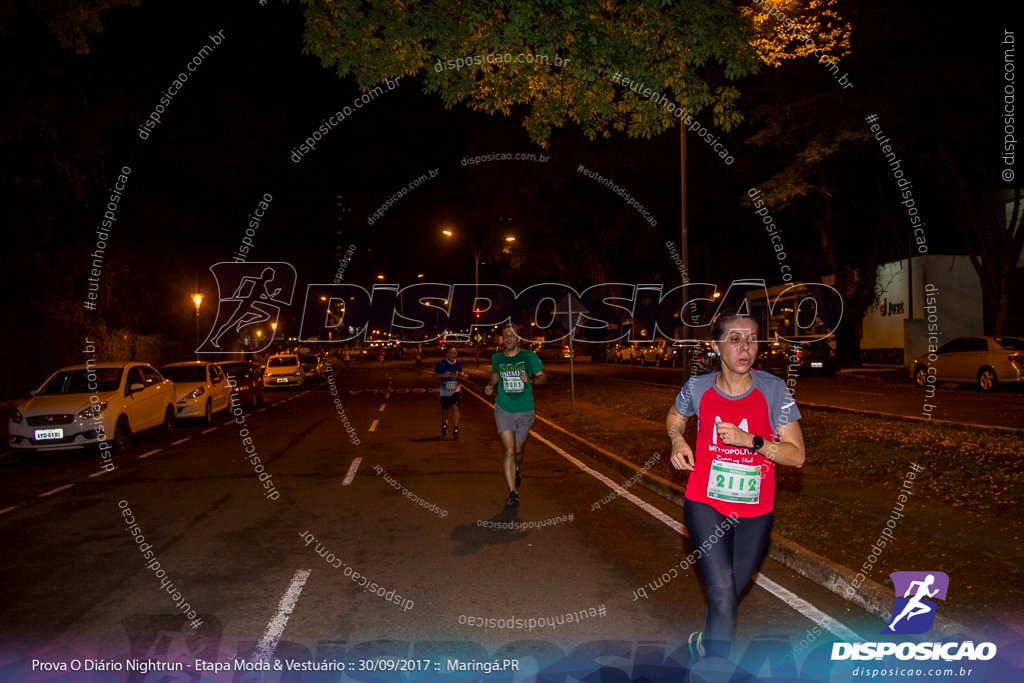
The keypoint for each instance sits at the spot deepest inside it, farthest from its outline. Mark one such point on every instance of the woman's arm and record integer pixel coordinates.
(682, 454)
(788, 450)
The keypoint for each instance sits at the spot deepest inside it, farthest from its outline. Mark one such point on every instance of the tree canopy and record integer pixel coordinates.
(565, 62)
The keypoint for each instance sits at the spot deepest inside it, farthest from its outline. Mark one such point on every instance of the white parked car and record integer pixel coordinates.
(985, 360)
(81, 406)
(284, 370)
(202, 388)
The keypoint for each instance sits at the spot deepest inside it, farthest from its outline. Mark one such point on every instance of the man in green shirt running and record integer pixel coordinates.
(514, 371)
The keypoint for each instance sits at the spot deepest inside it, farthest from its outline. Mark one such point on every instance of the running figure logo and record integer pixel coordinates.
(245, 319)
(913, 613)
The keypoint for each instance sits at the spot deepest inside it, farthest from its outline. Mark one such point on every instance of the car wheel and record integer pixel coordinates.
(208, 413)
(643, 360)
(987, 379)
(921, 376)
(167, 429)
(253, 400)
(122, 434)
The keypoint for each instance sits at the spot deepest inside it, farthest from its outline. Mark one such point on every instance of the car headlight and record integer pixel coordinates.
(93, 412)
(17, 417)
(298, 373)
(197, 393)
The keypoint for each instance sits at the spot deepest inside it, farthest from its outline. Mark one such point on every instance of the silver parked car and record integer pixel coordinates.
(984, 360)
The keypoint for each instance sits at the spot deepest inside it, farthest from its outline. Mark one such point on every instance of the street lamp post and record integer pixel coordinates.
(197, 299)
(476, 277)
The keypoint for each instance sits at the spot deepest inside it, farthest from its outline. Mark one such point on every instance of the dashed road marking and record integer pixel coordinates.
(56, 490)
(373, 426)
(352, 472)
(152, 452)
(264, 650)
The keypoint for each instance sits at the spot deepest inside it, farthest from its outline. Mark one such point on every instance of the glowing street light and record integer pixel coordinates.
(197, 299)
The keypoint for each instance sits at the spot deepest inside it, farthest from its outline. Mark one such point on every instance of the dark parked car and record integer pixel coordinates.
(799, 357)
(246, 375)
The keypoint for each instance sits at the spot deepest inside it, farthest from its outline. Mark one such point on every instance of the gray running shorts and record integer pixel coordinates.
(519, 423)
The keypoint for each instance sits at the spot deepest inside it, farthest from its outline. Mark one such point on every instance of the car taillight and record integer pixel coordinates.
(1016, 359)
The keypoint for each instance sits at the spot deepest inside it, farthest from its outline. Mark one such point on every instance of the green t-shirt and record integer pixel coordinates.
(515, 396)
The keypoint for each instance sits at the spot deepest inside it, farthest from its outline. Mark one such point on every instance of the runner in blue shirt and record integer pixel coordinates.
(450, 372)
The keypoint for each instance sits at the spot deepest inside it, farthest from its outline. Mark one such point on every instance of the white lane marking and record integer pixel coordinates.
(352, 472)
(807, 609)
(791, 599)
(381, 408)
(211, 429)
(146, 455)
(268, 643)
(13, 507)
(59, 488)
(98, 474)
(261, 410)
(373, 426)
(644, 505)
(181, 440)
(387, 396)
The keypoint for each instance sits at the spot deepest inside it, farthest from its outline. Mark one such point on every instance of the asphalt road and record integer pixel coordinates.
(284, 577)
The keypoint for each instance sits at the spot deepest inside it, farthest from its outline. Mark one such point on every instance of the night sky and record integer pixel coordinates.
(227, 138)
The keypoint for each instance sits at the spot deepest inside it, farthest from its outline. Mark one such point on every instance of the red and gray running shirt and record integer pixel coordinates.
(731, 479)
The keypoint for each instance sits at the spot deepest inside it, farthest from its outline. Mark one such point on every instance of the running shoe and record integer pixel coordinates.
(519, 479)
(513, 500)
(696, 645)
(444, 429)
(455, 432)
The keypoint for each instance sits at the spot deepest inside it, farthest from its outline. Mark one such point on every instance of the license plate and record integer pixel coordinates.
(817, 365)
(43, 434)
(282, 380)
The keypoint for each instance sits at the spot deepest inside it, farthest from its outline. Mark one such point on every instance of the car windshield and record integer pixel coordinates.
(185, 373)
(94, 381)
(283, 362)
(235, 369)
(1011, 343)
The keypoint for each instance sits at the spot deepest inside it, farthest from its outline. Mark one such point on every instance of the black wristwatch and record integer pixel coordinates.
(758, 444)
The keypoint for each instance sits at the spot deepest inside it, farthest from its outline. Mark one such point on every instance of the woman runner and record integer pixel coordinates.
(746, 424)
